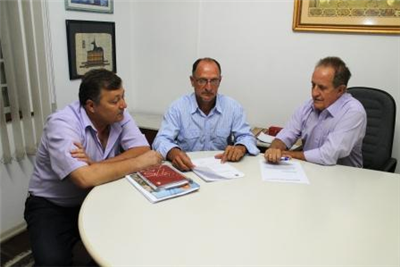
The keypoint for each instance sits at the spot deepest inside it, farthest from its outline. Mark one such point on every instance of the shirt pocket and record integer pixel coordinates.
(220, 138)
(188, 139)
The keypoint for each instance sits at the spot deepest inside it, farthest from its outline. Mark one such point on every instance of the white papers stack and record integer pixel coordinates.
(285, 171)
(162, 194)
(265, 138)
(211, 169)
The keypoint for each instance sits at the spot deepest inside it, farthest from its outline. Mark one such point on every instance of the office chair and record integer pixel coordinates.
(381, 116)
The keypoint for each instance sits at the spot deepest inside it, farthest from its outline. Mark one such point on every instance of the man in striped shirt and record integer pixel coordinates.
(204, 120)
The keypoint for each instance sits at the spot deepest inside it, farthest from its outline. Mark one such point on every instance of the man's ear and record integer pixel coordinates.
(342, 89)
(90, 106)
(192, 81)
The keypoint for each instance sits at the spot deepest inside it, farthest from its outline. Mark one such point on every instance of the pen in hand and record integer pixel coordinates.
(285, 158)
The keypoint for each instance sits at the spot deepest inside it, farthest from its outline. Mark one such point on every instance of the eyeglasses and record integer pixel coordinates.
(203, 82)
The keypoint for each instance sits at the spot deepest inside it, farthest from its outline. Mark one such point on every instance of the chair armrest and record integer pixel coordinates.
(390, 165)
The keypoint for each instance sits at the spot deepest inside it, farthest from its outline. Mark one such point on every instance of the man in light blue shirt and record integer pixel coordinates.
(204, 120)
(331, 125)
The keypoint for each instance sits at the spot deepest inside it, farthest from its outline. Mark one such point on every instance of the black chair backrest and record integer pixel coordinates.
(381, 116)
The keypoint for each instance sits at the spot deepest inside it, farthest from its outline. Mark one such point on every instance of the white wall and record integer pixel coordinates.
(265, 65)
(67, 90)
(15, 176)
(14, 187)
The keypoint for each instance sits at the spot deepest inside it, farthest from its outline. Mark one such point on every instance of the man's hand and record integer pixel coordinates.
(180, 159)
(273, 155)
(103, 171)
(232, 153)
(276, 150)
(150, 159)
(80, 154)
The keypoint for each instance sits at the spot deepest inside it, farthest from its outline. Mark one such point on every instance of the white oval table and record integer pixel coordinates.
(344, 217)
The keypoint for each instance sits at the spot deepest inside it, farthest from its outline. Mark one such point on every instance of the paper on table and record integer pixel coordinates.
(265, 137)
(285, 171)
(211, 169)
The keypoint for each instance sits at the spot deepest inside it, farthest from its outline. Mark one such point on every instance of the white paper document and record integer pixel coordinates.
(265, 138)
(285, 171)
(211, 169)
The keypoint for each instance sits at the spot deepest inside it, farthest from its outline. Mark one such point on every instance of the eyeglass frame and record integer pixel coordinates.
(203, 81)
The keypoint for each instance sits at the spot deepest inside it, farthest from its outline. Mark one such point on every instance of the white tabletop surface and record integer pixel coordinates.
(344, 217)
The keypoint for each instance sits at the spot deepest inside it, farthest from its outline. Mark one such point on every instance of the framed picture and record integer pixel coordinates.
(100, 6)
(91, 45)
(358, 16)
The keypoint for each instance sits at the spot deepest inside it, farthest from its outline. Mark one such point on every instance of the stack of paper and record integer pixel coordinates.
(161, 194)
(211, 169)
(265, 138)
(285, 171)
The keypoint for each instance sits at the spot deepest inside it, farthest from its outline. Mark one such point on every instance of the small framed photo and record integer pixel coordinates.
(100, 6)
(381, 17)
(91, 45)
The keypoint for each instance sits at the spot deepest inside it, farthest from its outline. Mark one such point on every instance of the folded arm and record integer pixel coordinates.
(80, 154)
(106, 171)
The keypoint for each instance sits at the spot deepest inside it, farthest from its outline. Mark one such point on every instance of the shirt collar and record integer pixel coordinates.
(336, 107)
(85, 118)
(194, 107)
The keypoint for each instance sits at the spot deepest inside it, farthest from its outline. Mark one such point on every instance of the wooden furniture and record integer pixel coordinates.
(148, 124)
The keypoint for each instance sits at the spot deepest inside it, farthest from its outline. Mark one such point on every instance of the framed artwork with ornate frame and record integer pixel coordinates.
(100, 6)
(91, 45)
(358, 16)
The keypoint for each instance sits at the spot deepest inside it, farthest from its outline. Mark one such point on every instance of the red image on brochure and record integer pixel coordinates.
(163, 176)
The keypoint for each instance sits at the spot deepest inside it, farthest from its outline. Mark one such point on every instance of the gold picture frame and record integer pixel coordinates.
(348, 16)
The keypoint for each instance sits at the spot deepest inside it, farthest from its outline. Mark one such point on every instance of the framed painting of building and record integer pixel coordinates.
(359, 16)
(91, 45)
(100, 6)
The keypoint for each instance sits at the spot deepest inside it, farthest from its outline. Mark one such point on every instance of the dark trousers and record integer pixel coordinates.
(53, 231)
